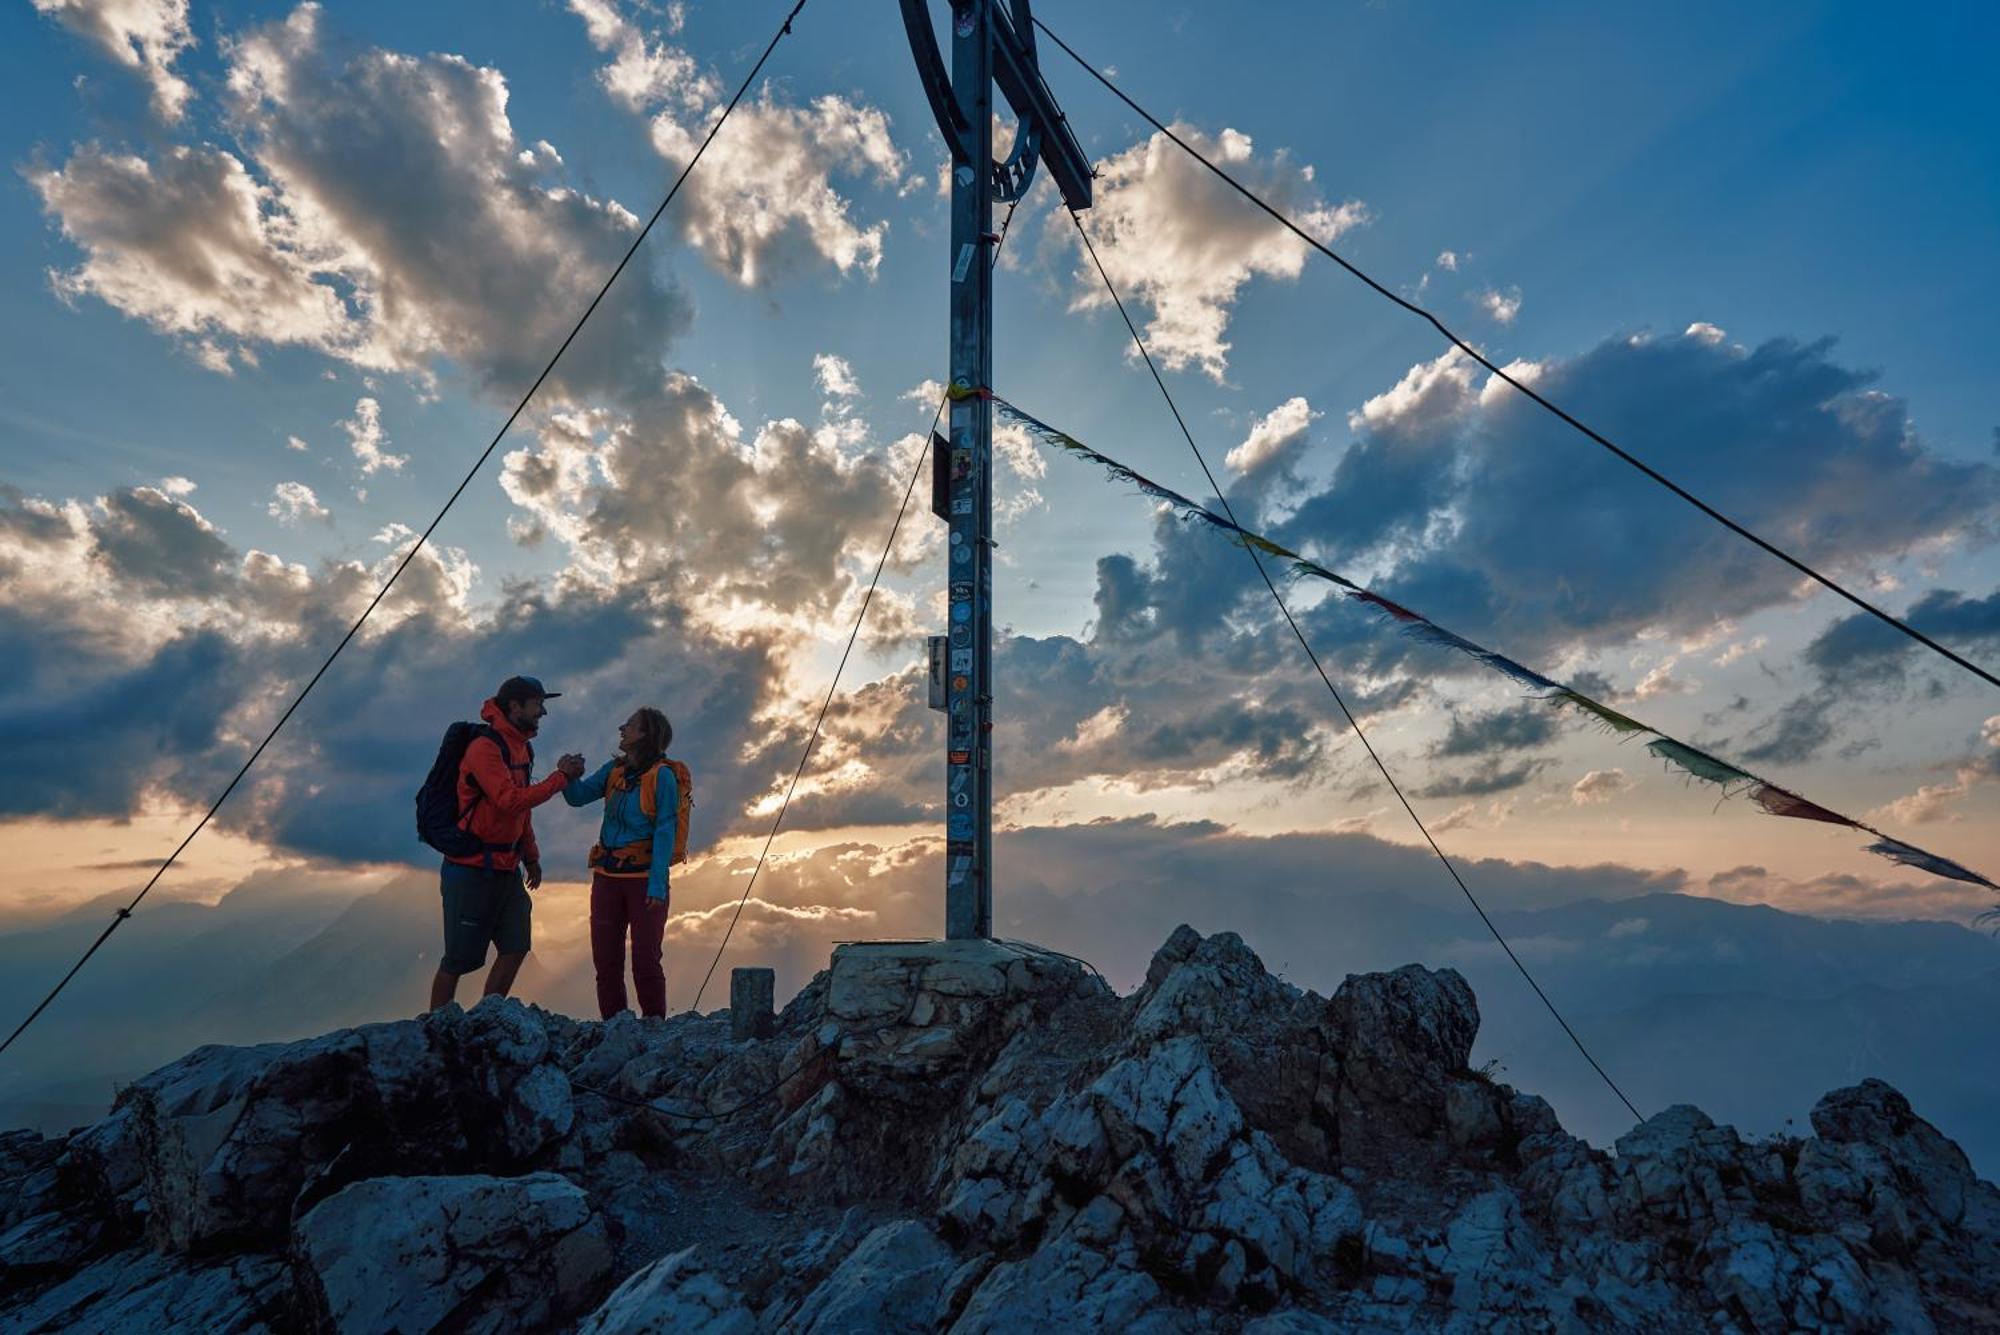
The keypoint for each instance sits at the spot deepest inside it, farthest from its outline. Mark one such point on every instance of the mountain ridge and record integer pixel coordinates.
(970, 1137)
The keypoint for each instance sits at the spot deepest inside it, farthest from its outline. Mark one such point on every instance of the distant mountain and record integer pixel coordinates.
(1744, 1010)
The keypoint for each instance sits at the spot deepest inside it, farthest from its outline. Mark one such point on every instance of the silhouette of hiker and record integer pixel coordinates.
(485, 891)
(643, 796)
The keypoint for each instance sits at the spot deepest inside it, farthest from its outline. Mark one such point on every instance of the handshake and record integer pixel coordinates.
(572, 765)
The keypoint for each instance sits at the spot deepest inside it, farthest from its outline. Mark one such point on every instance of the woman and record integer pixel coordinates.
(635, 845)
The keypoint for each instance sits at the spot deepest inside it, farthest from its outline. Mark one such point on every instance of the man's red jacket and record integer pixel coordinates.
(496, 797)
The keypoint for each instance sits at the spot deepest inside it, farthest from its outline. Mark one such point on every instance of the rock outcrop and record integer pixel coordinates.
(970, 1137)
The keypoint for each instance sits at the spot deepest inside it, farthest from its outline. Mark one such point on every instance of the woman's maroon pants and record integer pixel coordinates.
(618, 903)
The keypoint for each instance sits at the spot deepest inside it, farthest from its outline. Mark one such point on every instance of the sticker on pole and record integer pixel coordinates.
(963, 264)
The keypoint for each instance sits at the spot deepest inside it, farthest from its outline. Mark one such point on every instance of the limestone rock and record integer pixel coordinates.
(227, 1144)
(971, 1137)
(468, 1253)
(673, 1294)
(141, 1290)
(1405, 1035)
(891, 1282)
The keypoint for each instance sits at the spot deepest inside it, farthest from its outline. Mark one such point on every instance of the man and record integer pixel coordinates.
(485, 895)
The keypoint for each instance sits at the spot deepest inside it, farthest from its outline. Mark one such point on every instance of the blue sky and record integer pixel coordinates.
(1605, 179)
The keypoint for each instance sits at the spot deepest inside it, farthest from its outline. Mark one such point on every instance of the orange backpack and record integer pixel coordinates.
(649, 802)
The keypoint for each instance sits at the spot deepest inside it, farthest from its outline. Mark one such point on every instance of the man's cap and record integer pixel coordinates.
(523, 688)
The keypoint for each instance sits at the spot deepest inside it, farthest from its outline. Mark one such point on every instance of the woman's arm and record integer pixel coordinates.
(590, 788)
(666, 818)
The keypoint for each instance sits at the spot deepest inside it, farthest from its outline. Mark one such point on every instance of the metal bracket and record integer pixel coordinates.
(1042, 133)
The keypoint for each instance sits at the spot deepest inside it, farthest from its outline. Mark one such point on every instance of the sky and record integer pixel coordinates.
(275, 274)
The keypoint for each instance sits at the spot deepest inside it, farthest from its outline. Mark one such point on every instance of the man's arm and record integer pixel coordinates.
(488, 769)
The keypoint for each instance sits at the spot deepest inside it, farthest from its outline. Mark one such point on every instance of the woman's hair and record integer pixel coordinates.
(655, 736)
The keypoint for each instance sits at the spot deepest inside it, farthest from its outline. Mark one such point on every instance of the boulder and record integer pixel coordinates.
(143, 1290)
(468, 1253)
(226, 1145)
(675, 1293)
(891, 1282)
(1403, 1038)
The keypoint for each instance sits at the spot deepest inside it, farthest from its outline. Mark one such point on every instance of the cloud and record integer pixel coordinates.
(383, 212)
(1661, 681)
(673, 495)
(191, 244)
(1490, 776)
(835, 376)
(1501, 307)
(1860, 650)
(1599, 786)
(173, 651)
(643, 70)
(1458, 483)
(1518, 729)
(146, 36)
(1800, 730)
(1275, 439)
(294, 443)
(764, 202)
(157, 543)
(1177, 239)
(365, 437)
(1932, 803)
(294, 502)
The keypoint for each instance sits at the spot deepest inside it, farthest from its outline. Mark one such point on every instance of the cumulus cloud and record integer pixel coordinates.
(132, 625)
(294, 502)
(384, 213)
(764, 201)
(1175, 238)
(674, 494)
(157, 543)
(146, 36)
(1930, 804)
(191, 244)
(1275, 438)
(1506, 528)
(1500, 307)
(835, 376)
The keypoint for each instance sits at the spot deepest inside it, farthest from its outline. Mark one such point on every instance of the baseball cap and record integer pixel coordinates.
(523, 688)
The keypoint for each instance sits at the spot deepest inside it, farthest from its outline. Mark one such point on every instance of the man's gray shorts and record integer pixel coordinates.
(483, 908)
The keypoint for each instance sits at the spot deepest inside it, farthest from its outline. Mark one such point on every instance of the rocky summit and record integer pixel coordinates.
(975, 1137)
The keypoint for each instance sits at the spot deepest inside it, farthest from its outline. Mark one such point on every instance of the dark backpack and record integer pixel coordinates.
(438, 815)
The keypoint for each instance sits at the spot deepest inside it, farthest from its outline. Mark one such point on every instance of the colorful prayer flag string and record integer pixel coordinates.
(1699, 764)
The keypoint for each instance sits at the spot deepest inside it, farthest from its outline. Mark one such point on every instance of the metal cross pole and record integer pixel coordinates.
(990, 43)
